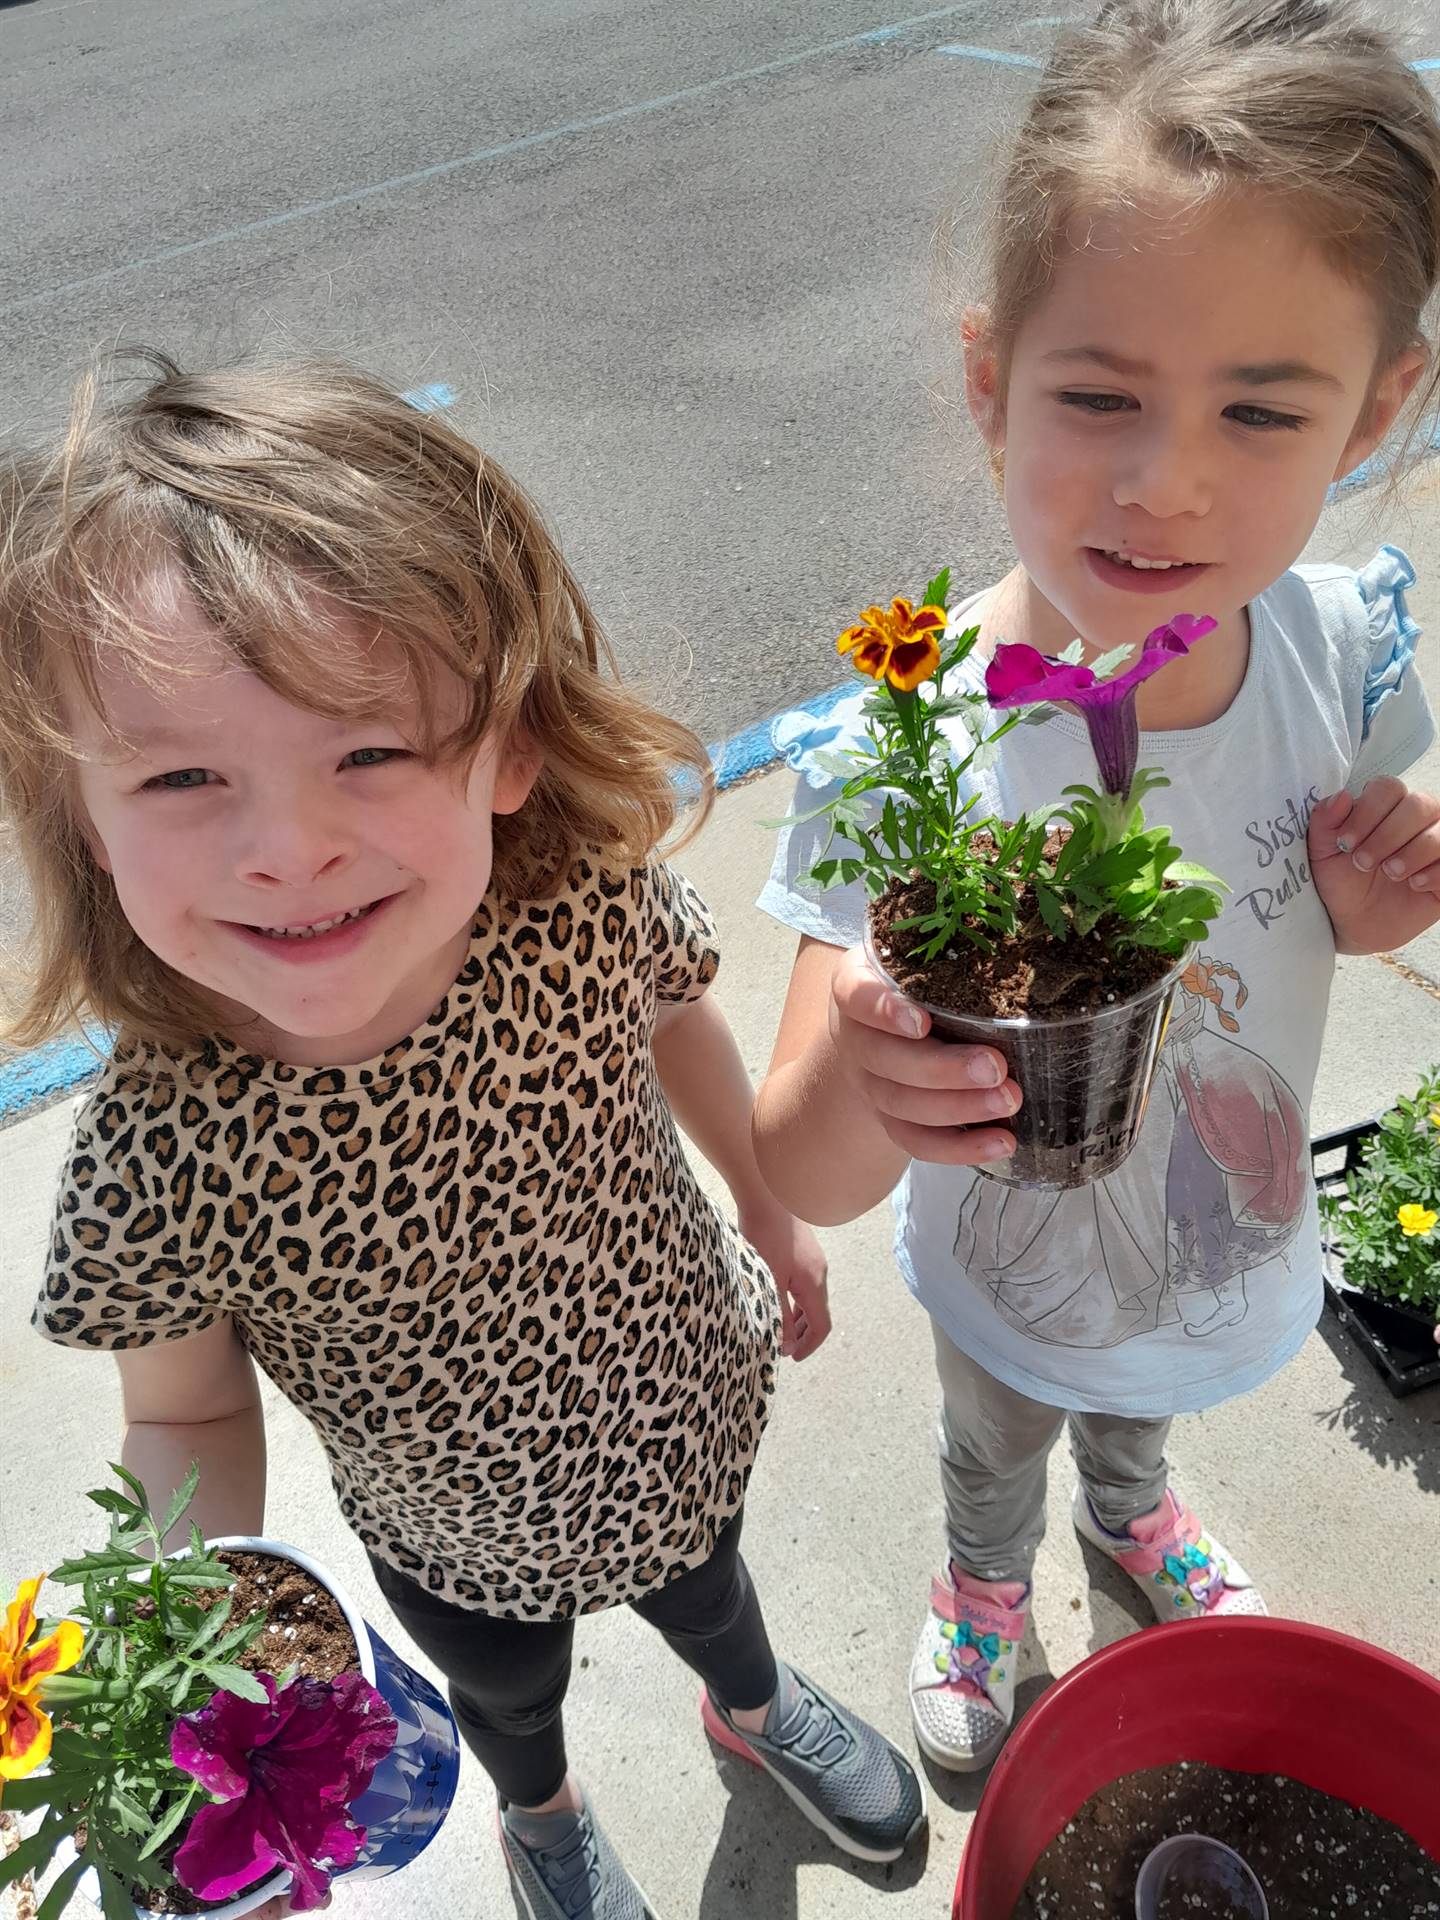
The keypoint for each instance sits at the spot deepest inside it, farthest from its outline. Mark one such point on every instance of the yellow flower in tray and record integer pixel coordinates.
(24, 1726)
(1416, 1219)
(1435, 1116)
(901, 646)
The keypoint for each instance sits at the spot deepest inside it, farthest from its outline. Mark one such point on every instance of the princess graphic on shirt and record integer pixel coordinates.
(1234, 1188)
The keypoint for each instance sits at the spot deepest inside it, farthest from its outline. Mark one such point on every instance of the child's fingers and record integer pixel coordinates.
(788, 1323)
(1416, 860)
(1405, 819)
(810, 1334)
(930, 1064)
(809, 1342)
(1327, 823)
(1355, 824)
(950, 1146)
(941, 1106)
(863, 997)
(880, 1033)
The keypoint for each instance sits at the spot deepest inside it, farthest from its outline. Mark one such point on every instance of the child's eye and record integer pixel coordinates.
(1264, 418)
(1097, 402)
(178, 782)
(373, 756)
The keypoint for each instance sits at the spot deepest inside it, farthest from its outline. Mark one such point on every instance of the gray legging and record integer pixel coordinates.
(994, 1446)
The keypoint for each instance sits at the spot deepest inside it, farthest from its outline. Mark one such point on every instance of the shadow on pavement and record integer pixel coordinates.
(1395, 1433)
(763, 1843)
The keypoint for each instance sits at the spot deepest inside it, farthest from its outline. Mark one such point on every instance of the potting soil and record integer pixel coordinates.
(1317, 1858)
(304, 1625)
(1029, 975)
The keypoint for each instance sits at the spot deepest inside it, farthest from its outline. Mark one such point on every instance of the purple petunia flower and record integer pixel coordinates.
(283, 1773)
(1021, 677)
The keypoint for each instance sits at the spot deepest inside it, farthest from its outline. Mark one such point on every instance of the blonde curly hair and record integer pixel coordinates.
(265, 489)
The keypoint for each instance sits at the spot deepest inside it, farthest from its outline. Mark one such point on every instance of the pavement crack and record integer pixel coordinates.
(1412, 974)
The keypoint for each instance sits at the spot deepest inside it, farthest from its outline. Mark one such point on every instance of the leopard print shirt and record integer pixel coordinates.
(538, 1358)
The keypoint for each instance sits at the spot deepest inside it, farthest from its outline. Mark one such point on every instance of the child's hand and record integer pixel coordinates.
(1376, 862)
(797, 1260)
(935, 1100)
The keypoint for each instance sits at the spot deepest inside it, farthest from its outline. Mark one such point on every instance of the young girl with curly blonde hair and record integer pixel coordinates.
(333, 813)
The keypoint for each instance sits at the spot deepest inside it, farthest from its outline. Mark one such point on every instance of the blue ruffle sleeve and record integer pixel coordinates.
(1394, 632)
(799, 736)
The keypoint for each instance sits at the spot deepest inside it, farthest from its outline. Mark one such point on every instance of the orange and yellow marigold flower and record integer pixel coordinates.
(24, 1725)
(901, 646)
(1415, 1219)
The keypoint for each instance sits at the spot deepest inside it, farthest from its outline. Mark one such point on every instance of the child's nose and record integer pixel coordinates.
(1164, 476)
(290, 848)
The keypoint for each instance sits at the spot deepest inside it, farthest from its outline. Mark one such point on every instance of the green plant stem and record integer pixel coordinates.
(1115, 812)
(912, 724)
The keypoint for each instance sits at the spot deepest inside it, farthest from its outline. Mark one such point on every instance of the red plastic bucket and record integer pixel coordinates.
(1262, 1696)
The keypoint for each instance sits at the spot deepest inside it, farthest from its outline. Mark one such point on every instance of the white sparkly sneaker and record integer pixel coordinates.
(1184, 1573)
(962, 1679)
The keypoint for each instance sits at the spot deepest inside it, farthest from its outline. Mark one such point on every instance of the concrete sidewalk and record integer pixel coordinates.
(1326, 1487)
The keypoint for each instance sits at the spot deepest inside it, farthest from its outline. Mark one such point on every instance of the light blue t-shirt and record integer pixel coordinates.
(1193, 1272)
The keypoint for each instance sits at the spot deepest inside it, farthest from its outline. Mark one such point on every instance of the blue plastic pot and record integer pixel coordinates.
(405, 1805)
(411, 1791)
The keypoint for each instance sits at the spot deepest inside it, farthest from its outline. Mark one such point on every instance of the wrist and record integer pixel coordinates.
(754, 1201)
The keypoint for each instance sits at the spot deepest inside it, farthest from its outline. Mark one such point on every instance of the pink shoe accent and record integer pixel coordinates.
(722, 1734)
(988, 1604)
(984, 1612)
(1170, 1539)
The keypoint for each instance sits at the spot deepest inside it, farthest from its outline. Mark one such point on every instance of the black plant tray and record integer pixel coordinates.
(1399, 1339)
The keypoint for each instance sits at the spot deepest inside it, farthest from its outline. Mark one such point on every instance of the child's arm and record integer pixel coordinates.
(197, 1399)
(711, 1097)
(855, 1092)
(1376, 862)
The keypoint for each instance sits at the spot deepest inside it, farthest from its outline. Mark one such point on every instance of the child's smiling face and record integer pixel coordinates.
(241, 819)
(1186, 390)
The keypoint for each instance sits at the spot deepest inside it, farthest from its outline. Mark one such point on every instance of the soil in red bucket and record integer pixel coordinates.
(304, 1628)
(1029, 975)
(1317, 1858)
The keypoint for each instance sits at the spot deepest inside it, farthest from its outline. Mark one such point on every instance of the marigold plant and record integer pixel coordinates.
(135, 1702)
(906, 807)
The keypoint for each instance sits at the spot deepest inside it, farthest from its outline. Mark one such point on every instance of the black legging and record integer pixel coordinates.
(508, 1677)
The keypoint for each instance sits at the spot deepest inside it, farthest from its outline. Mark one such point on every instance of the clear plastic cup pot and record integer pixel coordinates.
(1085, 1079)
(1192, 1874)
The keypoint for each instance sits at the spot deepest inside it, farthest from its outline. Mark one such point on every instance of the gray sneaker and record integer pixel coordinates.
(841, 1773)
(563, 1868)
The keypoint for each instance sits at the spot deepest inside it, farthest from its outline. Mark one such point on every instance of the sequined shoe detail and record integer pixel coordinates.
(962, 1679)
(1184, 1572)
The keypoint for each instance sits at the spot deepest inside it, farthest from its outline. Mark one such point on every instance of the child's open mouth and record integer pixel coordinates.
(1140, 573)
(311, 938)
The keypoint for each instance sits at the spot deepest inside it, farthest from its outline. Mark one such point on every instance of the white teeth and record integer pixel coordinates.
(1144, 566)
(309, 933)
